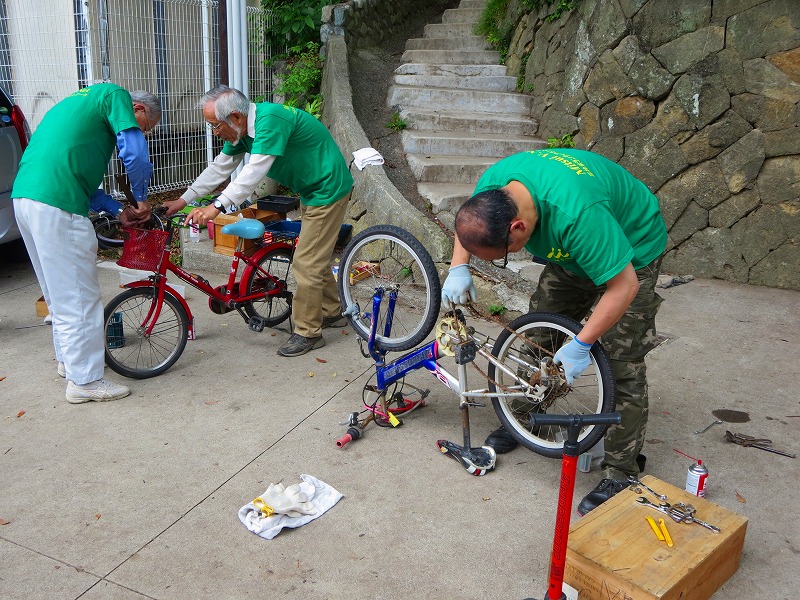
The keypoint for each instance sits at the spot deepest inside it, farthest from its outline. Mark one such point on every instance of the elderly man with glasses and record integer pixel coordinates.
(59, 176)
(601, 233)
(295, 149)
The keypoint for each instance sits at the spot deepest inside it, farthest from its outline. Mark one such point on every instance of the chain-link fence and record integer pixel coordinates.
(51, 48)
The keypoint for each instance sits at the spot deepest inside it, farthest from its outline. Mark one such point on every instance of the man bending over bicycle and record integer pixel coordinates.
(295, 149)
(61, 169)
(601, 232)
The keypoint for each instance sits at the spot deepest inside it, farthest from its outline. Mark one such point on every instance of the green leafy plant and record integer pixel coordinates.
(295, 23)
(301, 79)
(314, 107)
(493, 25)
(496, 309)
(561, 6)
(396, 123)
(565, 141)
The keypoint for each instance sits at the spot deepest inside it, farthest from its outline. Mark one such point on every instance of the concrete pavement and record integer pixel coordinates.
(138, 498)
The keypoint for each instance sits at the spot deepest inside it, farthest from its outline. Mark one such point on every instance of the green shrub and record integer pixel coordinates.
(396, 123)
(302, 77)
(295, 23)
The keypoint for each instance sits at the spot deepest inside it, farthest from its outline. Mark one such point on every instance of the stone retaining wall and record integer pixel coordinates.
(698, 99)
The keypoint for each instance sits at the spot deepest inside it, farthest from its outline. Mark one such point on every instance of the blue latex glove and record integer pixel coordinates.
(575, 358)
(458, 287)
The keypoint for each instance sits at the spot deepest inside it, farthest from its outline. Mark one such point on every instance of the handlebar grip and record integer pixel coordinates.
(344, 440)
(579, 420)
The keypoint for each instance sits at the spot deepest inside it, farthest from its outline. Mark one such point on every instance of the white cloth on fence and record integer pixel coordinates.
(367, 156)
(324, 497)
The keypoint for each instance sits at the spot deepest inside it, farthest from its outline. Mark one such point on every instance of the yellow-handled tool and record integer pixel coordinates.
(655, 528)
(665, 532)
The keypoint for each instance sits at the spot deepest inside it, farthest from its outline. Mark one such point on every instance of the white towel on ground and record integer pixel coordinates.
(268, 527)
(367, 156)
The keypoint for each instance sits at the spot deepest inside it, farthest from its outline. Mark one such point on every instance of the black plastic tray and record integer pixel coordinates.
(278, 204)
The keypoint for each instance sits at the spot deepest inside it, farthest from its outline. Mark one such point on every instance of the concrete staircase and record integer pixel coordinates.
(461, 108)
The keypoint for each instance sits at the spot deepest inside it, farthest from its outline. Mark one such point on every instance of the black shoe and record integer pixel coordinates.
(334, 322)
(606, 489)
(501, 441)
(641, 461)
(297, 345)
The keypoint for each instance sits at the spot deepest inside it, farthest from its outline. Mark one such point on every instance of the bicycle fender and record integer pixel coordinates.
(256, 258)
(169, 290)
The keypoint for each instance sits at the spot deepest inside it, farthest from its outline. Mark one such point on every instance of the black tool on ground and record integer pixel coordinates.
(761, 443)
(569, 466)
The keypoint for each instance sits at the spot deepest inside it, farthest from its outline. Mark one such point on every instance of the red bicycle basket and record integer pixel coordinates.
(142, 249)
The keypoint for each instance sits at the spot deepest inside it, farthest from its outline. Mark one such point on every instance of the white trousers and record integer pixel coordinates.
(63, 250)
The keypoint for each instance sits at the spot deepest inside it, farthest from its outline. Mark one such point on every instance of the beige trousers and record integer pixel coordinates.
(317, 295)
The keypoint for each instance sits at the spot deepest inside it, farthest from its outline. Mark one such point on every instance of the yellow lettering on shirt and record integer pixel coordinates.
(557, 254)
(570, 162)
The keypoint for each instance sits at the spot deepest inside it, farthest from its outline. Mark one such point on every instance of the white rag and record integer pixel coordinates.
(268, 527)
(367, 156)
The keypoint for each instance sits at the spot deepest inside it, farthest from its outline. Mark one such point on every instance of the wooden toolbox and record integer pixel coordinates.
(613, 553)
(226, 244)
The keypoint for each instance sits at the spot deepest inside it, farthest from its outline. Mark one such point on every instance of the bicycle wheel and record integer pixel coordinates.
(276, 307)
(109, 230)
(390, 258)
(525, 349)
(129, 351)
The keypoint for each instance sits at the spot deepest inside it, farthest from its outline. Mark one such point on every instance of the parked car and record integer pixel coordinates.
(14, 136)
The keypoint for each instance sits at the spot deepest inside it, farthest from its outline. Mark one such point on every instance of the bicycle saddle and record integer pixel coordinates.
(249, 229)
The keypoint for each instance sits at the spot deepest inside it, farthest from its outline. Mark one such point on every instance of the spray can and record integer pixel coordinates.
(696, 479)
(194, 231)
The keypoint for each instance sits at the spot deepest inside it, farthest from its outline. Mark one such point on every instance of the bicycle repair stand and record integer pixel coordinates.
(569, 467)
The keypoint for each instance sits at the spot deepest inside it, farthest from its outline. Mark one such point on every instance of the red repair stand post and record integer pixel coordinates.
(569, 468)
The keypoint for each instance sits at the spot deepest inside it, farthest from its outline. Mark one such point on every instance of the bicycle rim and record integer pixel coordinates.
(109, 232)
(274, 274)
(521, 349)
(132, 353)
(392, 259)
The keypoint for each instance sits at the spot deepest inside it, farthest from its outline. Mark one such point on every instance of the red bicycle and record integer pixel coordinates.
(147, 326)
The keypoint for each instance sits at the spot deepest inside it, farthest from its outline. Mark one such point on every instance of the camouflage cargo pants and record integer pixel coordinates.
(627, 343)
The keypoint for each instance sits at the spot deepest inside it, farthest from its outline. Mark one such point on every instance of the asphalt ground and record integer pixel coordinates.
(138, 498)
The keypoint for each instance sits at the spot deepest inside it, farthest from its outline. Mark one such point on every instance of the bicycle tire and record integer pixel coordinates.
(109, 230)
(592, 393)
(128, 351)
(388, 257)
(274, 309)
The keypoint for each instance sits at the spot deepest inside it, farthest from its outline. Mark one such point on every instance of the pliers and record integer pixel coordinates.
(761, 443)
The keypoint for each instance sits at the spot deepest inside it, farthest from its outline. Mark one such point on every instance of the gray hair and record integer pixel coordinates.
(151, 102)
(226, 100)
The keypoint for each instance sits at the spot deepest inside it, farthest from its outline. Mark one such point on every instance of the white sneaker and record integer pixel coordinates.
(62, 370)
(96, 391)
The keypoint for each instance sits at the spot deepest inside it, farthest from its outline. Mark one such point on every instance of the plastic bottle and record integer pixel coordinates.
(592, 459)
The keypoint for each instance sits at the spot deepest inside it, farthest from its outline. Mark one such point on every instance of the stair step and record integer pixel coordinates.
(444, 30)
(449, 169)
(452, 57)
(486, 84)
(466, 144)
(461, 15)
(452, 70)
(445, 196)
(464, 42)
(466, 121)
(479, 4)
(454, 99)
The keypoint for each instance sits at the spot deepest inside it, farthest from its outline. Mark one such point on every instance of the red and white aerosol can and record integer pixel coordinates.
(696, 479)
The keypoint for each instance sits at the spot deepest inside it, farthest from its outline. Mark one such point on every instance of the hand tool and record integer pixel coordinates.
(635, 483)
(655, 528)
(717, 422)
(761, 443)
(665, 532)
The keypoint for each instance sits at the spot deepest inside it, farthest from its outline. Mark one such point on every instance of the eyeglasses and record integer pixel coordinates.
(214, 127)
(501, 263)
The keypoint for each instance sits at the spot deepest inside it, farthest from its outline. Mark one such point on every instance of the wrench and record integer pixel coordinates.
(635, 482)
(717, 422)
(684, 513)
(663, 507)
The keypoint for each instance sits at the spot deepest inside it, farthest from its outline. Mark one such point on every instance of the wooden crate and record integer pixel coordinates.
(41, 307)
(613, 553)
(226, 244)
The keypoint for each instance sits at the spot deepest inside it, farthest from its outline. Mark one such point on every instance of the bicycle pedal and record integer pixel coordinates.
(256, 324)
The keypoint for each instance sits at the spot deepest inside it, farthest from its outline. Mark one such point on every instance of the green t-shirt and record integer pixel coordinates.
(307, 160)
(68, 154)
(594, 216)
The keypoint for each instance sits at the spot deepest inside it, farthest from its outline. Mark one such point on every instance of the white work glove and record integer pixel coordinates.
(292, 501)
(575, 358)
(458, 287)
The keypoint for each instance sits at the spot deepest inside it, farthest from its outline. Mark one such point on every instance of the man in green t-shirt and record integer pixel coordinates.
(61, 169)
(601, 233)
(295, 149)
